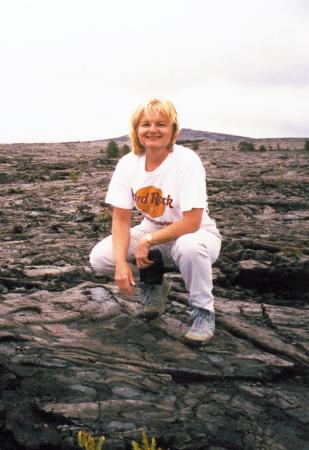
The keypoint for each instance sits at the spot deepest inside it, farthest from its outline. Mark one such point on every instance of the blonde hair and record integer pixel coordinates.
(153, 107)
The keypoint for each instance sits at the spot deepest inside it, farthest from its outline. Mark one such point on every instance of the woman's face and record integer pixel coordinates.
(155, 132)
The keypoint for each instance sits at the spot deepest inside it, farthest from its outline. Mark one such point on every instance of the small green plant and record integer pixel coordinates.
(146, 445)
(104, 216)
(88, 442)
(292, 252)
(74, 176)
(306, 145)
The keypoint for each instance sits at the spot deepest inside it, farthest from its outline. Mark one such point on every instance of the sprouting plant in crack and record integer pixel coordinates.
(146, 445)
(103, 216)
(74, 176)
(88, 442)
(292, 251)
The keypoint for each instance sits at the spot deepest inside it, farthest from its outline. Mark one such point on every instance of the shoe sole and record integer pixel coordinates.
(196, 342)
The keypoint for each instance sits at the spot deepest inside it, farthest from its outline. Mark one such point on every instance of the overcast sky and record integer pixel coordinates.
(76, 69)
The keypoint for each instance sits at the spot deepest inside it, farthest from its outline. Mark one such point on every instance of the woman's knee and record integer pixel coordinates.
(193, 245)
(101, 257)
(186, 246)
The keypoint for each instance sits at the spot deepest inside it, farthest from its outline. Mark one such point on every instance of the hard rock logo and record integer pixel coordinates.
(150, 200)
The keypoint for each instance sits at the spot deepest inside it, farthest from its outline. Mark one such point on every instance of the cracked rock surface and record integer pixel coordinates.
(76, 355)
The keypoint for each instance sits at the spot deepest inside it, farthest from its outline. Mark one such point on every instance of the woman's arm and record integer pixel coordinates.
(190, 223)
(121, 238)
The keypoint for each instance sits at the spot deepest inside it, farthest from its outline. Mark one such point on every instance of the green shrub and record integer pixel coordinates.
(112, 149)
(246, 146)
(125, 149)
(195, 145)
(262, 148)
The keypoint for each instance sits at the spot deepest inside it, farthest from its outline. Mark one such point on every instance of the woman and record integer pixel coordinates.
(166, 183)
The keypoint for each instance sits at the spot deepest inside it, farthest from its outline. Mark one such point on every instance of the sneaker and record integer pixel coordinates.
(153, 298)
(203, 326)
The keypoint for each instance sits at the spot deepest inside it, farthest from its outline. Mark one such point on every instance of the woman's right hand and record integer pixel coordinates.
(124, 278)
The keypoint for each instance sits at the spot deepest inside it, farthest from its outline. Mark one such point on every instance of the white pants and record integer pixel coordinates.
(192, 253)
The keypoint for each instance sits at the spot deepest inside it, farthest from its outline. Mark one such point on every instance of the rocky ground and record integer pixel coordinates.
(75, 355)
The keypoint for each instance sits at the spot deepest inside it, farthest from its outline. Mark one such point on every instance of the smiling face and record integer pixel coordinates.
(155, 131)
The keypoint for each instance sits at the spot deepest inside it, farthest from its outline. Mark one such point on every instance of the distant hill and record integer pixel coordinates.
(186, 134)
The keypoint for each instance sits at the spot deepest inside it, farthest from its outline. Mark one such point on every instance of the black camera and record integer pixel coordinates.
(153, 274)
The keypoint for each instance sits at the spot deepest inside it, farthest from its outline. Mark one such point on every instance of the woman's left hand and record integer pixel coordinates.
(141, 254)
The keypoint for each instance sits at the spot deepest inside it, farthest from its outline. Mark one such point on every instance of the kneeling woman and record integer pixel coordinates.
(166, 183)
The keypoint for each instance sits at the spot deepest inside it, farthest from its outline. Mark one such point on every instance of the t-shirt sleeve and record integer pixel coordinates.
(119, 192)
(193, 187)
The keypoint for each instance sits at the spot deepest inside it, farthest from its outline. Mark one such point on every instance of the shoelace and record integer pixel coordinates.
(146, 290)
(201, 318)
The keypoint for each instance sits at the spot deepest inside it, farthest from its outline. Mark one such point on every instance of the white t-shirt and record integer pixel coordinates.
(177, 185)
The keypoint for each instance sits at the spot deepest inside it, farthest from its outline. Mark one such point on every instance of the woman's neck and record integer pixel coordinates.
(154, 158)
